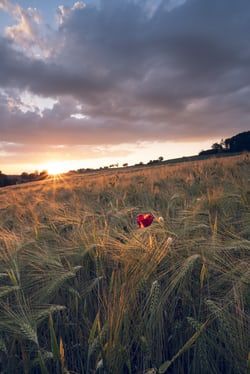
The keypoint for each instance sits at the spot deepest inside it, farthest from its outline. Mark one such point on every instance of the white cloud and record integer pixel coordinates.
(63, 12)
(78, 5)
(79, 116)
(29, 32)
(27, 102)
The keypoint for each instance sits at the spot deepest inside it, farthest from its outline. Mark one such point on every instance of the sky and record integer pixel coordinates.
(89, 84)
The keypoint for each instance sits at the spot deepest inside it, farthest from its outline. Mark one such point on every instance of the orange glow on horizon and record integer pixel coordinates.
(141, 152)
(54, 167)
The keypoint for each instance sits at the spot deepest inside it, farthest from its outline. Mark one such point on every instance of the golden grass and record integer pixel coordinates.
(83, 290)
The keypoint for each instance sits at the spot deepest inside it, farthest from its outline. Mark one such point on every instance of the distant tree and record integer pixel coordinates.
(239, 142)
(227, 144)
(152, 162)
(217, 147)
(43, 174)
(125, 165)
(34, 176)
(208, 152)
(4, 181)
(24, 177)
(160, 158)
(222, 143)
(139, 164)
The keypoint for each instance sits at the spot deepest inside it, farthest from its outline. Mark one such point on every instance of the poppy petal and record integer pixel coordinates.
(144, 220)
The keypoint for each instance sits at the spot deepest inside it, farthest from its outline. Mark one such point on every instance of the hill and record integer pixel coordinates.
(83, 289)
(226, 148)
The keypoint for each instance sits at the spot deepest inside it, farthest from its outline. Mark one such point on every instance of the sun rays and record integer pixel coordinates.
(54, 168)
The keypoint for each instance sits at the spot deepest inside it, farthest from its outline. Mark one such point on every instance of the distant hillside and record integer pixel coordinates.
(228, 147)
(9, 180)
(237, 143)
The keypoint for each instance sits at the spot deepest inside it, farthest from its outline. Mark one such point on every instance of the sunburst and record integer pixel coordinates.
(55, 168)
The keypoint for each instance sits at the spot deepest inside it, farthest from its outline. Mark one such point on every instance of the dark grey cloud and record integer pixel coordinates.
(44, 77)
(165, 75)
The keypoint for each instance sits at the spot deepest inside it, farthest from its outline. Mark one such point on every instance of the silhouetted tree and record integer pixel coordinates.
(33, 176)
(239, 142)
(217, 147)
(3, 180)
(43, 174)
(152, 162)
(208, 152)
(227, 144)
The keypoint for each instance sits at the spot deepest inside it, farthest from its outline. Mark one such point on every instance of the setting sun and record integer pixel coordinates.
(54, 167)
(124, 199)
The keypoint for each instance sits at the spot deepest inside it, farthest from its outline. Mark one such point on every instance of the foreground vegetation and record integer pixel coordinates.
(83, 290)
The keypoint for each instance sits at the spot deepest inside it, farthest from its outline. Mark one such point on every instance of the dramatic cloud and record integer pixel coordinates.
(127, 71)
(29, 33)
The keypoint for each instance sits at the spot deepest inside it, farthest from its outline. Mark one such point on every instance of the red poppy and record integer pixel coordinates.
(144, 220)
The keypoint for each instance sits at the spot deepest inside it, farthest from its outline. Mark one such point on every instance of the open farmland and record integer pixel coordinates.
(84, 290)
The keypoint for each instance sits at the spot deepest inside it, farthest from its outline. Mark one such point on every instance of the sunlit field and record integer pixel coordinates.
(83, 289)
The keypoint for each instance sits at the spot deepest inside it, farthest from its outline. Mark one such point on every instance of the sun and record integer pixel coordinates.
(55, 167)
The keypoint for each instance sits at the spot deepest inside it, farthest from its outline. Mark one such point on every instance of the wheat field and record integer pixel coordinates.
(84, 290)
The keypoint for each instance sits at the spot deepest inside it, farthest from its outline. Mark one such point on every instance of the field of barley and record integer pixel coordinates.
(83, 289)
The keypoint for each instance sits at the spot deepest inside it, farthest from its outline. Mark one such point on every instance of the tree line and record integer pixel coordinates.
(237, 143)
(8, 180)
